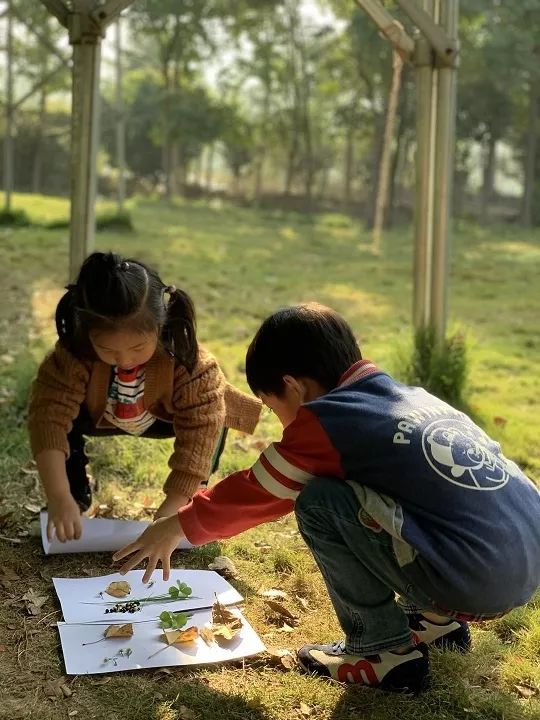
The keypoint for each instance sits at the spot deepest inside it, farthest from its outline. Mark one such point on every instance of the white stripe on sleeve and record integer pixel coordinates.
(285, 467)
(273, 486)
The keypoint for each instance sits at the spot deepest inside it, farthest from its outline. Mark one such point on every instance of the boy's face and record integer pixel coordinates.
(297, 391)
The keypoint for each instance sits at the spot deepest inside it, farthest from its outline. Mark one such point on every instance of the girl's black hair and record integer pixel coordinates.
(112, 293)
(310, 340)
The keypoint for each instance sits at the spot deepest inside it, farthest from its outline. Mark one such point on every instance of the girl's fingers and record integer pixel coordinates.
(77, 528)
(152, 563)
(60, 534)
(50, 530)
(166, 565)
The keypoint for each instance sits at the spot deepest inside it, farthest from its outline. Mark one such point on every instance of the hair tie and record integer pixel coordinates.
(124, 266)
(170, 289)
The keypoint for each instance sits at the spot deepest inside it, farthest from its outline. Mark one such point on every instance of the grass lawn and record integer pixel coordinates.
(238, 265)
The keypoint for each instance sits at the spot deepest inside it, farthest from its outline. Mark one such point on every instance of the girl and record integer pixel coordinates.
(127, 361)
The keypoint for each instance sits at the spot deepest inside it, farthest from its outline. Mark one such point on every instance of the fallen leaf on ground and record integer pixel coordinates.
(53, 690)
(30, 468)
(172, 637)
(102, 681)
(31, 507)
(281, 657)
(282, 612)
(118, 589)
(72, 713)
(224, 566)
(305, 710)
(302, 602)
(274, 593)
(7, 576)
(285, 628)
(184, 713)
(65, 689)
(262, 546)
(34, 602)
(526, 691)
(3, 648)
(119, 631)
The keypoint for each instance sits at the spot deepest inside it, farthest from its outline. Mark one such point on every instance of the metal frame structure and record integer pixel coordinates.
(434, 53)
(86, 22)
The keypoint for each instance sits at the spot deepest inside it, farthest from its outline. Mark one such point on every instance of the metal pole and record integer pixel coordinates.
(120, 122)
(8, 138)
(86, 41)
(444, 162)
(423, 59)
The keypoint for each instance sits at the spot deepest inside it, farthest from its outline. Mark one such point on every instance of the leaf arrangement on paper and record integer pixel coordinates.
(203, 631)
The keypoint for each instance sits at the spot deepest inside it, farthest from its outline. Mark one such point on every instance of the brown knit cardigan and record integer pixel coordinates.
(198, 404)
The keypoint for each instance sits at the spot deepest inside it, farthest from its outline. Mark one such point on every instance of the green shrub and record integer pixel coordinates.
(117, 221)
(14, 218)
(440, 368)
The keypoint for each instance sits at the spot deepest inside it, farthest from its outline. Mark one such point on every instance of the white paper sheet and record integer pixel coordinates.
(90, 659)
(99, 535)
(81, 602)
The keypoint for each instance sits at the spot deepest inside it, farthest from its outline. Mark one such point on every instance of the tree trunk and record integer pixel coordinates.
(349, 165)
(209, 167)
(488, 177)
(531, 145)
(40, 135)
(8, 137)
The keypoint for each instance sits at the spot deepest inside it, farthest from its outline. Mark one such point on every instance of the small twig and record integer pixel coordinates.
(54, 612)
(13, 540)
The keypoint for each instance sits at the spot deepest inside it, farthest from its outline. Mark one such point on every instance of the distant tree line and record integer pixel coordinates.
(295, 115)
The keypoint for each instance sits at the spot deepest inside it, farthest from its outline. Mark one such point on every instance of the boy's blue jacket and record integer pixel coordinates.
(465, 520)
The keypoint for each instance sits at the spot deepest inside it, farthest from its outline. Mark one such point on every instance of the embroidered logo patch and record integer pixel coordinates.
(368, 521)
(461, 454)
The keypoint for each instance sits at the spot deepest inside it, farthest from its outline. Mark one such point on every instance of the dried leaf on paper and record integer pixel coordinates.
(119, 589)
(224, 566)
(225, 632)
(221, 615)
(282, 612)
(119, 631)
(172, 637)
(207, 635)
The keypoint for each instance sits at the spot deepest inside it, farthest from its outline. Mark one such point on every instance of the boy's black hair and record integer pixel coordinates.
(112, 293)
(310, 340)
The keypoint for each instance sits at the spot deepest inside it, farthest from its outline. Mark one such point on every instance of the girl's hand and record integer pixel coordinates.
(65, 517)
(172, 503)
(157, 544)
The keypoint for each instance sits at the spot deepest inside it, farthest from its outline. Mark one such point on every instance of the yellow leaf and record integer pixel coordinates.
(119, 631)
(172, 637)
(207, 635)
(119, 589)
(226, 631)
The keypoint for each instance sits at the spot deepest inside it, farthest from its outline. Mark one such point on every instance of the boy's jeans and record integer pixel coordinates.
(359, 567)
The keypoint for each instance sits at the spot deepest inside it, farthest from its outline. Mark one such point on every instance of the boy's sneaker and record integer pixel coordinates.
(385, 670)
(453, 635)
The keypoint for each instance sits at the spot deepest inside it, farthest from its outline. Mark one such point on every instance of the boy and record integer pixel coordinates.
(394, 492)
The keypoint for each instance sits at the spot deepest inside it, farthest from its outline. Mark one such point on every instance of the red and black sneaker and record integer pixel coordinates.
(387, 670)
(452, 635)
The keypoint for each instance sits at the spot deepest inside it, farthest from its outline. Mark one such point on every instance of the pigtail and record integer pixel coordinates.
(180, 329)
(66, 318)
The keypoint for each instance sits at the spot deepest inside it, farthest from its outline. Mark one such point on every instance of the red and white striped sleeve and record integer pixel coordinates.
(266, 491)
